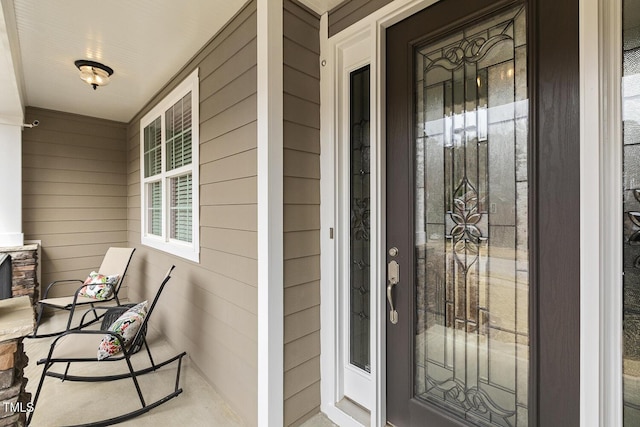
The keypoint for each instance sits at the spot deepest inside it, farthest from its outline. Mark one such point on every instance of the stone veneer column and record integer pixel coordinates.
(16, 322)
(14, 399)
(24, 262)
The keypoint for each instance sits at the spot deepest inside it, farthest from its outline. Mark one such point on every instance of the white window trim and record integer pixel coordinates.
(190, 251)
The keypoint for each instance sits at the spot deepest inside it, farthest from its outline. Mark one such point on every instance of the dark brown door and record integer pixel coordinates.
(483, 215)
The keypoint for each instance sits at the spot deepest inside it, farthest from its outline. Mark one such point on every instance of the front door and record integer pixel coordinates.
(482, 226)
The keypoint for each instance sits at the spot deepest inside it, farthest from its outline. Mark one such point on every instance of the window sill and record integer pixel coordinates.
(185, 251)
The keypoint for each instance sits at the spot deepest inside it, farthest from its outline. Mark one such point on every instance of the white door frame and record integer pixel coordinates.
(601, 212)
(600, 216)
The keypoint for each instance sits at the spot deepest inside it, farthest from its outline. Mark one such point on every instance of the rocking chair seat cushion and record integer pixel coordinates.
(99, 286)
(126, 326)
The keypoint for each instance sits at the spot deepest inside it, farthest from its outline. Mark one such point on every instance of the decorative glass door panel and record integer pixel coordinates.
(360, 248)
(471, 344)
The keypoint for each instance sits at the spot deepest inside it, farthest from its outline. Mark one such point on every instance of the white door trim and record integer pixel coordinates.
(601, 212)
(336, 59)
(357, 384)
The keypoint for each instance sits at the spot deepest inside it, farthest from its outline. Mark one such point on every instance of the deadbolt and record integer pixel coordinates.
(393, 251)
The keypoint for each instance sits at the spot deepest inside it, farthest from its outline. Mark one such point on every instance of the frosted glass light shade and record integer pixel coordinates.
(94, 73)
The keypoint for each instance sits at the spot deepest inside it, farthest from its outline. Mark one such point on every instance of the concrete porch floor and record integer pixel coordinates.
(64, 403)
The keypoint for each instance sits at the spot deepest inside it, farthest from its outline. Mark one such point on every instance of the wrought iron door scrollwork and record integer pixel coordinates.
(472, 399)
(466, 233)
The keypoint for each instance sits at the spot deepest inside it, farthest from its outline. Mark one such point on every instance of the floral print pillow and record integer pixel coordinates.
(99, 286)
(126, 326)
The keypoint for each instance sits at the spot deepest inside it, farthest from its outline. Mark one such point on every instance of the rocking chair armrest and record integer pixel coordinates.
(124, 348)
(76, 294)
(52, 284)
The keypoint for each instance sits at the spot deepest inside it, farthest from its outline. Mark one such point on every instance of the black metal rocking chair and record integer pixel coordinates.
(77, 346)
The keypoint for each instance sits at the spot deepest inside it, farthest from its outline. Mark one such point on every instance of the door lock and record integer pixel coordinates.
(393, 277)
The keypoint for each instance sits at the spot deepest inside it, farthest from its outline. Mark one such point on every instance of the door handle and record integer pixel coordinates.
(393, 277)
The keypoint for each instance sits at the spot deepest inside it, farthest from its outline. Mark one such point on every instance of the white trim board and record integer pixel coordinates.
(601, 230)
(589, 215)
(270, 215)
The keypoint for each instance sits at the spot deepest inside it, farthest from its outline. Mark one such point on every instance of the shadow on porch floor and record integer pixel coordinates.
(64, 403)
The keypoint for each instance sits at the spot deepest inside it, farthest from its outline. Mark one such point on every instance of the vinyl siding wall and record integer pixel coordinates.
(74, 192)
(301, 213)
(210, 309)
(350, 12)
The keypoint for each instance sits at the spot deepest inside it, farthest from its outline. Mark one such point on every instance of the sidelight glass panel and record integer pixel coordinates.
(631, 206)
(471, 347)
(360, 227)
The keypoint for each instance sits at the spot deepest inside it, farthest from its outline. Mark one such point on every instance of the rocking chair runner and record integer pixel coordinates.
(77, 346)
(115, 261)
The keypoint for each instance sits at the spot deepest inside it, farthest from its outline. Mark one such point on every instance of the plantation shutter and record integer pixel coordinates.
(154, 221)
(152, 148)
(181, 208)
(178, 133)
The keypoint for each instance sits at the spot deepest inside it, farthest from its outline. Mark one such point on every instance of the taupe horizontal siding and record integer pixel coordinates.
(301, 213)
(76, 188)
(235, 217)
(301, 270)
(74, 193)
(301, 218)
(302, 138)
(67, 214)
(301, 350)
(236, 141)
(61, 176)
(300, 58)
(350, 12)
(299, 406)
(300, 324)
(213, 305)
(301, 297)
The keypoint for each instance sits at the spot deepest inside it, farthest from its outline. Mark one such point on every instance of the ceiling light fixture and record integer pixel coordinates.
(94, 73)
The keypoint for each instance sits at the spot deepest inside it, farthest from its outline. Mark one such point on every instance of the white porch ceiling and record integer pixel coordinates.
(146, 42)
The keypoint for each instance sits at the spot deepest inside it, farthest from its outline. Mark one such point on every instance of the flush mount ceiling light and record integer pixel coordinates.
(94, 73)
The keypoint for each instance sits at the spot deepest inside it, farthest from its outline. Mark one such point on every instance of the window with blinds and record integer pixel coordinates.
(169, 172)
